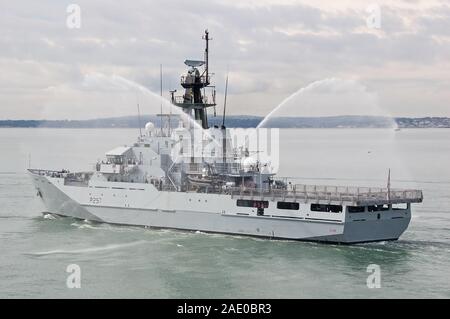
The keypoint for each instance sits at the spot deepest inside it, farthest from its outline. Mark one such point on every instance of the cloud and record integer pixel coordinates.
(272, 49)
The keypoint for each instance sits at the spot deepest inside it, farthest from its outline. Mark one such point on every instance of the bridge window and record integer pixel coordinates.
(252, 203)
(377, 208)
(326, 208)
(288, 205)
(402, 206)
(356, 209)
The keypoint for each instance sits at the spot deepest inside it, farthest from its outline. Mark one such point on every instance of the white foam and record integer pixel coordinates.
(87, 250)
(84, 226)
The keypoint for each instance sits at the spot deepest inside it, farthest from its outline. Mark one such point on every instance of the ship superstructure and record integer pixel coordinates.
(189, 176)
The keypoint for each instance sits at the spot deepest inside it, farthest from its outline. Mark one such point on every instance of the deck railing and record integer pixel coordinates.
(322, 194)
(73, 179)
(332, 194)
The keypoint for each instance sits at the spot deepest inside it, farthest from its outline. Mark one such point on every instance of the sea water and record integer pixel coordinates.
(134, 262)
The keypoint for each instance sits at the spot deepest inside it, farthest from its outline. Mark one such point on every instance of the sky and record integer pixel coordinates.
(396, 53)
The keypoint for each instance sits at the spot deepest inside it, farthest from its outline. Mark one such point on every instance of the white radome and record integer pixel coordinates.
(149, 128)
(249, 164)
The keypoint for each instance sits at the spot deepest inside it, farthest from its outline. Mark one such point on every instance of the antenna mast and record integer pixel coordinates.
(206, 38)
(195, 100)
(139, 116)
(389, 186)
(225, 102)
(160, 86)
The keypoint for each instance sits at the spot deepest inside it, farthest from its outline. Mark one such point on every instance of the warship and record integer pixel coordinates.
(163, 181)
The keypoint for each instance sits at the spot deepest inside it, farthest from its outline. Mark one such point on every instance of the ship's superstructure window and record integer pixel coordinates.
(326, 208)
(252, 203)
(288, 205)
(377, 208)
(402, 206)
(356, 209)
(119, 155)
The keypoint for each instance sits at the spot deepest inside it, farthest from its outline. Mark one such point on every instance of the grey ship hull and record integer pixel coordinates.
(146, 206)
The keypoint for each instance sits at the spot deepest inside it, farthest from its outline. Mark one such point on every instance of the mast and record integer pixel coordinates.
(389, 185)
(225, 102)
(139, 119)
(160, 86)
(196, 99)
(206, 38)
(139, 114)
(224, 137)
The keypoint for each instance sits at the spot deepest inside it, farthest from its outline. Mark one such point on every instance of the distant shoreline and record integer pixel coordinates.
(244, 121)
(281, 128)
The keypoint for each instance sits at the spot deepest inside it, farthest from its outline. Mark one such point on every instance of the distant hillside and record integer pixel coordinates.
(245, 121)
(423, 122)
(331, 122)
(125, 122)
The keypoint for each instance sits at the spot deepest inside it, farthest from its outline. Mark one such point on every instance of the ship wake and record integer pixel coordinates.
(87, 250)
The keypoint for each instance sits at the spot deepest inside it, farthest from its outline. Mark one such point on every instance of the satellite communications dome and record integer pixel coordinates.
(249, 164)
(149, 127)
